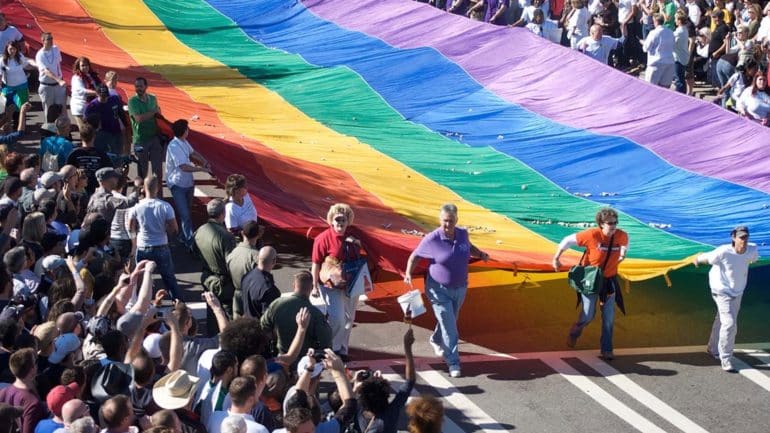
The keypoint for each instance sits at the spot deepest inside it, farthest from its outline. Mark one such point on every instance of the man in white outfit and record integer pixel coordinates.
(53, 88)
(659, 47)
(727, 279)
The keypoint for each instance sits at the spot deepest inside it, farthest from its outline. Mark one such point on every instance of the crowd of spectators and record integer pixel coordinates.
(725, 44)
(89, 341)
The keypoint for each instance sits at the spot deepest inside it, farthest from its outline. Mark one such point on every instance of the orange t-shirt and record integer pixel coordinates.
(596, 244)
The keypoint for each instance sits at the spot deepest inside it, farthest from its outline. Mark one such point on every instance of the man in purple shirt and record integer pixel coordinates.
(448, 249)
(22, 392)
(112, 119)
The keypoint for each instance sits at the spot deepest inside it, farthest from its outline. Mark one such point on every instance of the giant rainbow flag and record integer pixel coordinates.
(396, 107)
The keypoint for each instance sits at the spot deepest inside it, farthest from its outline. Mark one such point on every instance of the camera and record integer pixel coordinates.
(319, 356)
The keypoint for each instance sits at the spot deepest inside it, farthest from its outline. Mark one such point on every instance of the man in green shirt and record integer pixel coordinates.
(213, 242)
(668, 10)
(243, 259)
(143, 108)
(281, 318)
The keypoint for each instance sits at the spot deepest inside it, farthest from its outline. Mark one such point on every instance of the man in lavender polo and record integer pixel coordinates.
(448, 249)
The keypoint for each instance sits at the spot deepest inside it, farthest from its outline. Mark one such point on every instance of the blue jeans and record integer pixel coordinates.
(724, 70)
(183, 198)
(587, 314)
(679, 80)
(446, 307)
(164, 266)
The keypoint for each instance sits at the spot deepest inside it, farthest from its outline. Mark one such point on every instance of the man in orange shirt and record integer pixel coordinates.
(599, 242)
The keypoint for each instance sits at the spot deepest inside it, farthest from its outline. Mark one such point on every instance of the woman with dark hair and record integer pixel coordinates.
(12, 66)
(84, 82)
(239, 208)
(754, 102)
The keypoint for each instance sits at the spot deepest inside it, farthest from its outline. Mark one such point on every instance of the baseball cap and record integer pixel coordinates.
(63, 346)
(53, 262)
(98, 326)
(45, 333)
(102, 89)
(740, 231)
(129, 322)
(49, 178)
(11, 312)
(151, 344)
(59, 395)
(41, 194)
(106, 173)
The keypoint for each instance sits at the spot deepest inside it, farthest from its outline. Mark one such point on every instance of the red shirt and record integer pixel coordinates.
(329, 243)
(596, 245)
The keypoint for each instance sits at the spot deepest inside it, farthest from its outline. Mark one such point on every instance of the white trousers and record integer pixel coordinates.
(725, 325)
(661, 75)
(341, 312)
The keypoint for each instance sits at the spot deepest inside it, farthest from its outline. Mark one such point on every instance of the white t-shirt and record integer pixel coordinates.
(49, 60)
(757, 106)
(577, 26)
(549, 30)
(737, 86)
(178, 153)
(659, 47)
(78, 99)
(13, 71)
(237, 216)
(694, 13)
(729, 270)
(681, 45)
(215, 422)
(599, 50)
(11, 33)
(624, 8)
(151, 215)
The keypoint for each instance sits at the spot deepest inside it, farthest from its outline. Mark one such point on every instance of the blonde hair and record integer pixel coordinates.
(340, 208)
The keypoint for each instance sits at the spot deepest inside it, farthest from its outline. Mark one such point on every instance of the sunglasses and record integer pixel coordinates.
(744, 237)
(611, 223)
(340, 219)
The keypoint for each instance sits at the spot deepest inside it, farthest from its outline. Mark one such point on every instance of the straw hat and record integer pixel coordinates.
(174, 390)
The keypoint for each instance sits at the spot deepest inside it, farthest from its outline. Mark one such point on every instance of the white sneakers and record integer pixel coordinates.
(436, 348)
(454, 371)
(727, 365)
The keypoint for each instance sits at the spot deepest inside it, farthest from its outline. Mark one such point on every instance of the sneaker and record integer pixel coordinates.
(454, 371)
(728, 366)
(608, 356)
(436, 348)
(571, 341)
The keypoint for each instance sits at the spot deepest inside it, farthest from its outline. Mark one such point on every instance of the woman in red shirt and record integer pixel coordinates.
(336, 245)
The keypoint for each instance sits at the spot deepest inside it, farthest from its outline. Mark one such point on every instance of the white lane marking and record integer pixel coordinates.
(423, 362)
(197, 192)
(602, 397)
(396, 381)
(751, 374)
(641, 395)
(451, 395)
(764, 357)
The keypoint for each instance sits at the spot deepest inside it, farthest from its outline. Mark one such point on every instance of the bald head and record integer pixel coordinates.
(266, 258)
(28, 176)
(73, 410)
(67, 322)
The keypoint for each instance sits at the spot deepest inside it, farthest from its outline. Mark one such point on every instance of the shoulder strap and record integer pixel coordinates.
(609, 252)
